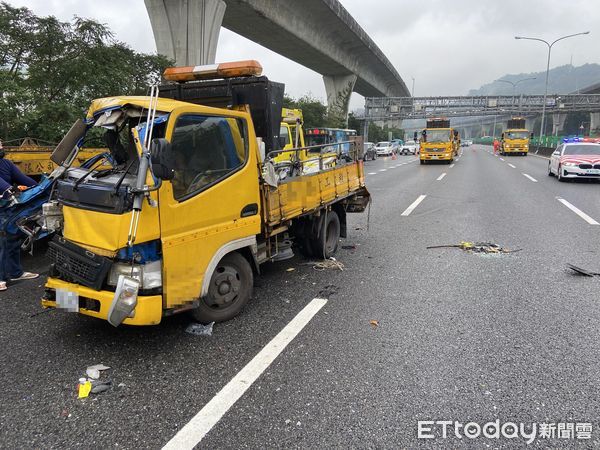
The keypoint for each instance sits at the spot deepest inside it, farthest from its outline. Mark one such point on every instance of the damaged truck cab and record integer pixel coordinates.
(192, 207)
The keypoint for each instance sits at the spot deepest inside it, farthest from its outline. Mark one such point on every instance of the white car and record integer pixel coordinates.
(575, 158)
(384, 148)
(410, 147)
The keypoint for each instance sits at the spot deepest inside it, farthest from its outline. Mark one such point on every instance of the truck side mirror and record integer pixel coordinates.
(415, 136)
(162, 158)
(531, 136)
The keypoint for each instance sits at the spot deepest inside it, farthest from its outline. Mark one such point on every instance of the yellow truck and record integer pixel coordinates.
(515, 139)
(439, 142)
(188, 221)
(34, 159)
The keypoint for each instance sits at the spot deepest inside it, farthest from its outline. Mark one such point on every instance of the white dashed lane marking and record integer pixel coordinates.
(577, 211)
(530, 177)
(441, 177)
(414, 204)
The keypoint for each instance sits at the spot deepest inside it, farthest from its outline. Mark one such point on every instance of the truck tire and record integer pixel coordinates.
(229, 290)
(327, 243)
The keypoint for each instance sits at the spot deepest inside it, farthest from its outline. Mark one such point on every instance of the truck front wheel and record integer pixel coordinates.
(230, 289)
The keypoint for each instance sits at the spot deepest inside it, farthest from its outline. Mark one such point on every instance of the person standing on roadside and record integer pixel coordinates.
(10, 244)
(496, 145)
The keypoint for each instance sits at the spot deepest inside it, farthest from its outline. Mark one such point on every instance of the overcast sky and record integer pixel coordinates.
(449, 47)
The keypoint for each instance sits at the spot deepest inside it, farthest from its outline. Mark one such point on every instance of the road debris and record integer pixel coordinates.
(200, 329)
(291, 269)
(100, 386)
(349, 247)
(374, 323)
(94, 371)
(583, 272)
(477, 247)
(83, 388)
(330, 263)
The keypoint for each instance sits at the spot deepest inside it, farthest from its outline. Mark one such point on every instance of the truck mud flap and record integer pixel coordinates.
(358, 202)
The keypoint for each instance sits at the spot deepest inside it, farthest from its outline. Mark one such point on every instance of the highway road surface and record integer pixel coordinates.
(355, 357)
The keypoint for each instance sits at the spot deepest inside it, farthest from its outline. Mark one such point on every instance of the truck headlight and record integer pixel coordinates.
(124, 301)
(148, 275)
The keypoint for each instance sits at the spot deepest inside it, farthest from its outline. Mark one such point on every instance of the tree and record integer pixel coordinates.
(51, 70)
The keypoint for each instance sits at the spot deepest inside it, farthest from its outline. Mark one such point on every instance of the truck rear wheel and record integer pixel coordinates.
(327, 243)
(229, 290)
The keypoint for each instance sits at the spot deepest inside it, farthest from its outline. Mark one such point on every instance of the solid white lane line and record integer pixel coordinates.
(501, 159)
(577, 211)
(530, 177)
(441, 177)
(414, 204)
(372, 173)
(511, 166)
(192, 433)
(451, 166)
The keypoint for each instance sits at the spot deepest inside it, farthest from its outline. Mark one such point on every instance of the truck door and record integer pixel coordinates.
(212, 204)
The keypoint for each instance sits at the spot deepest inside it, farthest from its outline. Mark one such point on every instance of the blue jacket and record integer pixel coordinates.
(10, 175)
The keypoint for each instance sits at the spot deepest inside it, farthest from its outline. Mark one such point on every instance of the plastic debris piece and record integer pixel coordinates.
(330, 263)
(100, 386)
(291, 269)
(349, 247)
(581, 271)
(94, 371)
(374, 323)
(199, 329)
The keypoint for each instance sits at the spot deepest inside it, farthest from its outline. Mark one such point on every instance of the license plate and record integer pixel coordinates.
(67, 300)
(593, 171)
(434, 157)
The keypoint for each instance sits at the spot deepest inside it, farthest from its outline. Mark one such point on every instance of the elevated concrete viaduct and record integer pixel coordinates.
(318, 34)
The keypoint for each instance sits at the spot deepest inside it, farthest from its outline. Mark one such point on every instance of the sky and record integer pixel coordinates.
(448, 47)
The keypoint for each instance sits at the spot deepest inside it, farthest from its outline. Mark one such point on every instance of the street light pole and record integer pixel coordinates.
(548, 69)
(413, 87)
(514, 85)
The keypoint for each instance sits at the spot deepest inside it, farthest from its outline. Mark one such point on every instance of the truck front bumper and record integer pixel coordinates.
(516, 150)
(148, 310)
(446, 156)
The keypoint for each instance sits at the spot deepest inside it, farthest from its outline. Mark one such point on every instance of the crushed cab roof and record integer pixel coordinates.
(163, 104)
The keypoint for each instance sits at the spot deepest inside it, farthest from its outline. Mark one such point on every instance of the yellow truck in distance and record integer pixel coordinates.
(185, 224)
(439, 142)
(515, 139)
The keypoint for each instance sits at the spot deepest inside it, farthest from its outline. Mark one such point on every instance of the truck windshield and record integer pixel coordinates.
(582, 150)
(438, 135)
(516, 135)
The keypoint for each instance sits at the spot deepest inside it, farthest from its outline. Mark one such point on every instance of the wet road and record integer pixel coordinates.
(460, 336)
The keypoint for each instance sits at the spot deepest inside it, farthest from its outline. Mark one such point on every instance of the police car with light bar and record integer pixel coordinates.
(575, 158)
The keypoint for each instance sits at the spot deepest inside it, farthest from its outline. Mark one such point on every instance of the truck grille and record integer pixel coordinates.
(76, 265)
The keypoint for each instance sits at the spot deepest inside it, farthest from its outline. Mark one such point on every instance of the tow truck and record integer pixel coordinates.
(515, 140)
(186, 222)
(439, 142)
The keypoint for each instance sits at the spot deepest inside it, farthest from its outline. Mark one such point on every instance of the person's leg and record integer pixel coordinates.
(12, 264)
(3, 274)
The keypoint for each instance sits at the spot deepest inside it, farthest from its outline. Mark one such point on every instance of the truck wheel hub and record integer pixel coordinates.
(226, 286)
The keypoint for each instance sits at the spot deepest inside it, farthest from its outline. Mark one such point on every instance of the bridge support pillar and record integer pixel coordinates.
(339, 89)
(558, 122)
(594, 122)
(529, 121)
(186, 31)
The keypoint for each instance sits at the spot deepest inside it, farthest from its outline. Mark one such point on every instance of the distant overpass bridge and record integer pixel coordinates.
(318, 34)
(394, 108)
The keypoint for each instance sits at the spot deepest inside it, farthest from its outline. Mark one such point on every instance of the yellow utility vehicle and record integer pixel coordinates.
(185, 224)
(34, 159)
(439, 142)
(515, 139)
